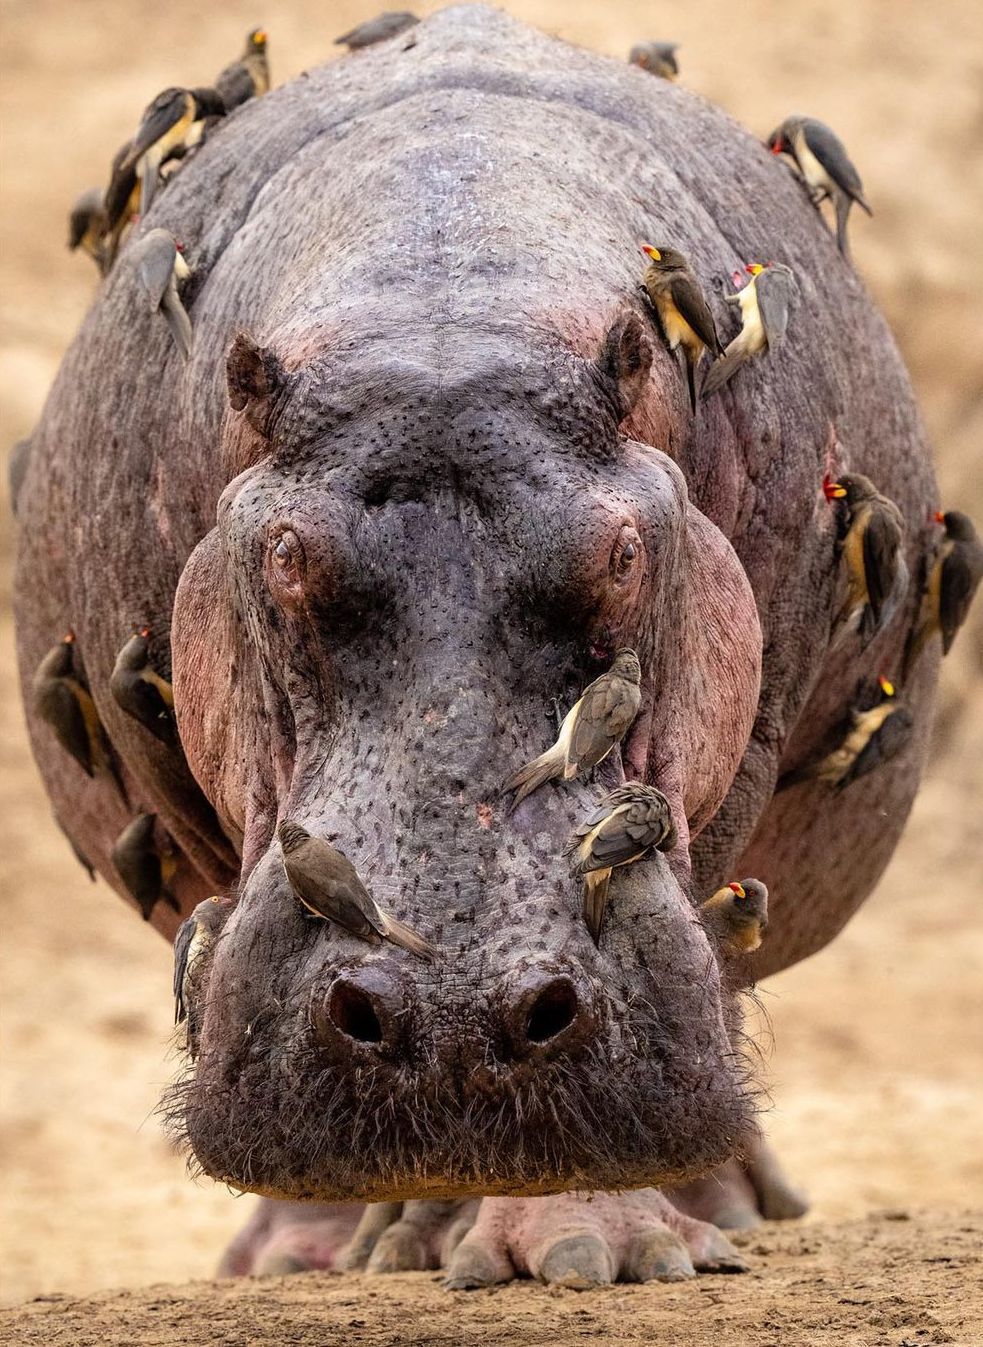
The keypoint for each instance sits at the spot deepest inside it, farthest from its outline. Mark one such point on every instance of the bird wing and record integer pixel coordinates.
(328, 885)
(623, 836)
(774, 291)
(883, 745)
(688, 299)
(882, 539)
(961, 573)
(155, 265)
(182, 946)
(57, 704)
(828, 149)
(165, 111)
(605, 713)
(236, 85)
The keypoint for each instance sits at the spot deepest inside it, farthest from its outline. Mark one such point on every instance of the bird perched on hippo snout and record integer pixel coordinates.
(825, 165)
(737, 915)
(683, 311)
(249, 76)
(141, 691)
(62, 699)
(159, 265)
(384, 26)
(144, 865)
(954, 574)
(873, 736)
(630, 821)
(591, 728)
(764, 303)
(871, 540)
(658, 58)
(328, 885)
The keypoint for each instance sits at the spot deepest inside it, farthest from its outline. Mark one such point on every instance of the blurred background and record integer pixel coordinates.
(876, 1067)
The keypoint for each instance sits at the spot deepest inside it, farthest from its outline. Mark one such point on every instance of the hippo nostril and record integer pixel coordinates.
(553, 1010)
(352, 1011)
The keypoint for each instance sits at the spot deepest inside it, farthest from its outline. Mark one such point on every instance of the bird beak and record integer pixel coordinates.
(775, 146)
(649, 251)
(833, 490)
(939, 517)
(755, 269)
(887, 687)
(738, 889)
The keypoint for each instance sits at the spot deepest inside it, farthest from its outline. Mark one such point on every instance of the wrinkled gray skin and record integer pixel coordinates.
(451, 393)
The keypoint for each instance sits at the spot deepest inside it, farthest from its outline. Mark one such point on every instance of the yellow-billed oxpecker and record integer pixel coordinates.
(873, 736)
(658, 58)
(737, 915)
(871, 531)
(141, 691)
(160, 267)
(388, 24)
(683, 312)
(249, 77)
(327, 884)
(825, 165)
(764, 303)
(145, 866)
(629, 822)
(590, 729)
(954, 574)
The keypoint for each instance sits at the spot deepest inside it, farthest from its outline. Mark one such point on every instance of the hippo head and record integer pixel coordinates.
(424, 549)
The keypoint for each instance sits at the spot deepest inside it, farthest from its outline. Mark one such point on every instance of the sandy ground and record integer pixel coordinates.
(878, 1062)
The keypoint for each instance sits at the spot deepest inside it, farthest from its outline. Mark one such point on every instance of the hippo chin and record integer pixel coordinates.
(428, 466)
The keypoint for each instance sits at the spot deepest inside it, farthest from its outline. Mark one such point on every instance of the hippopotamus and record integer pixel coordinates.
(428, 466)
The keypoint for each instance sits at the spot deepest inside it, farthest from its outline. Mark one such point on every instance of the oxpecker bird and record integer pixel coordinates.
(683, 312)
(327, 884)
(872, 542)
(738, 915)
(383, 26)
(62, 699)
(764, 303)
(953, 578)
(163, 131)
(145, 866)
(629, 822)
(141, 691)
(88, 226)
(658, 58)
(590, 729)
(873, 736)
(825, 165)
(194, 939)
(249, 77)
(160, 267)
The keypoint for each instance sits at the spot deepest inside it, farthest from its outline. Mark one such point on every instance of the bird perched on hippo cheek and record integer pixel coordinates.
(821, 158)
(952, 579)
(764, 304)
(592, 727)
(872, 736)
(683, 312)
(737, 915)
(872, 540)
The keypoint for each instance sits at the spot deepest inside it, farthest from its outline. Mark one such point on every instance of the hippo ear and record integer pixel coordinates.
(255, 376)
(624, 361)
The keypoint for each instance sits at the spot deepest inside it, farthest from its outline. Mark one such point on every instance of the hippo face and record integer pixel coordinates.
(409, 573)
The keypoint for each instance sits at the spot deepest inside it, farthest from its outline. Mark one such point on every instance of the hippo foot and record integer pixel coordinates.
(583, 1242)
(407, 1236)
(284, 1237)
(741, 1194)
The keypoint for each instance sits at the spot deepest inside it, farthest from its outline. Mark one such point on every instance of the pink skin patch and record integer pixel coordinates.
(485, 815)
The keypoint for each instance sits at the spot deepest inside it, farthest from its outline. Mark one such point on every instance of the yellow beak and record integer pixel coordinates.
(649, 251)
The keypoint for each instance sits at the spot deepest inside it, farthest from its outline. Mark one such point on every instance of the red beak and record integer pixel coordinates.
(832, 490)
(939, 517)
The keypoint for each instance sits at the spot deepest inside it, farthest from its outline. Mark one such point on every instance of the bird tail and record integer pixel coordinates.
(179, 323)
(724, 368)
(595, 901)
(534, 775)
(842, 205)
(404, 936)
(863, 204)
(148, 168)
(691, 378)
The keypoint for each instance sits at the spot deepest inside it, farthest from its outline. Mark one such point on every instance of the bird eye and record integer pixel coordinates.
(287, 556)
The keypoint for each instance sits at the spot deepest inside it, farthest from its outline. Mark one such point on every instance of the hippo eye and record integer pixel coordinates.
(627, 553)
(287, 556)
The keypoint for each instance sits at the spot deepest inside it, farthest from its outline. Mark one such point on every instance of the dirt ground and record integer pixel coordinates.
(878, 1060)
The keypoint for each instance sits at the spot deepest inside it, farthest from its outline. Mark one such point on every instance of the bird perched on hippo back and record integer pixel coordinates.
(658, 58)
(873, 736)
(163, 131)
(159, 265)
(737, 915)
(872, 541)
(683, 311)
(825, 165)
(249, 76)
(764, 303)
(953, 578)
(630, 821)
(327, 884)
(590, 729)
(141, 691)
(146, 866)
(386, 25)
(87, 226)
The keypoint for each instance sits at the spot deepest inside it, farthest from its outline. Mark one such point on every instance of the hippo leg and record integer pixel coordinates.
(582, 1242)
(284, 1237)
(740, 1194)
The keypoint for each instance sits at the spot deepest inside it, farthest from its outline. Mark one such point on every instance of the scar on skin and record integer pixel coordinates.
(485, 814)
